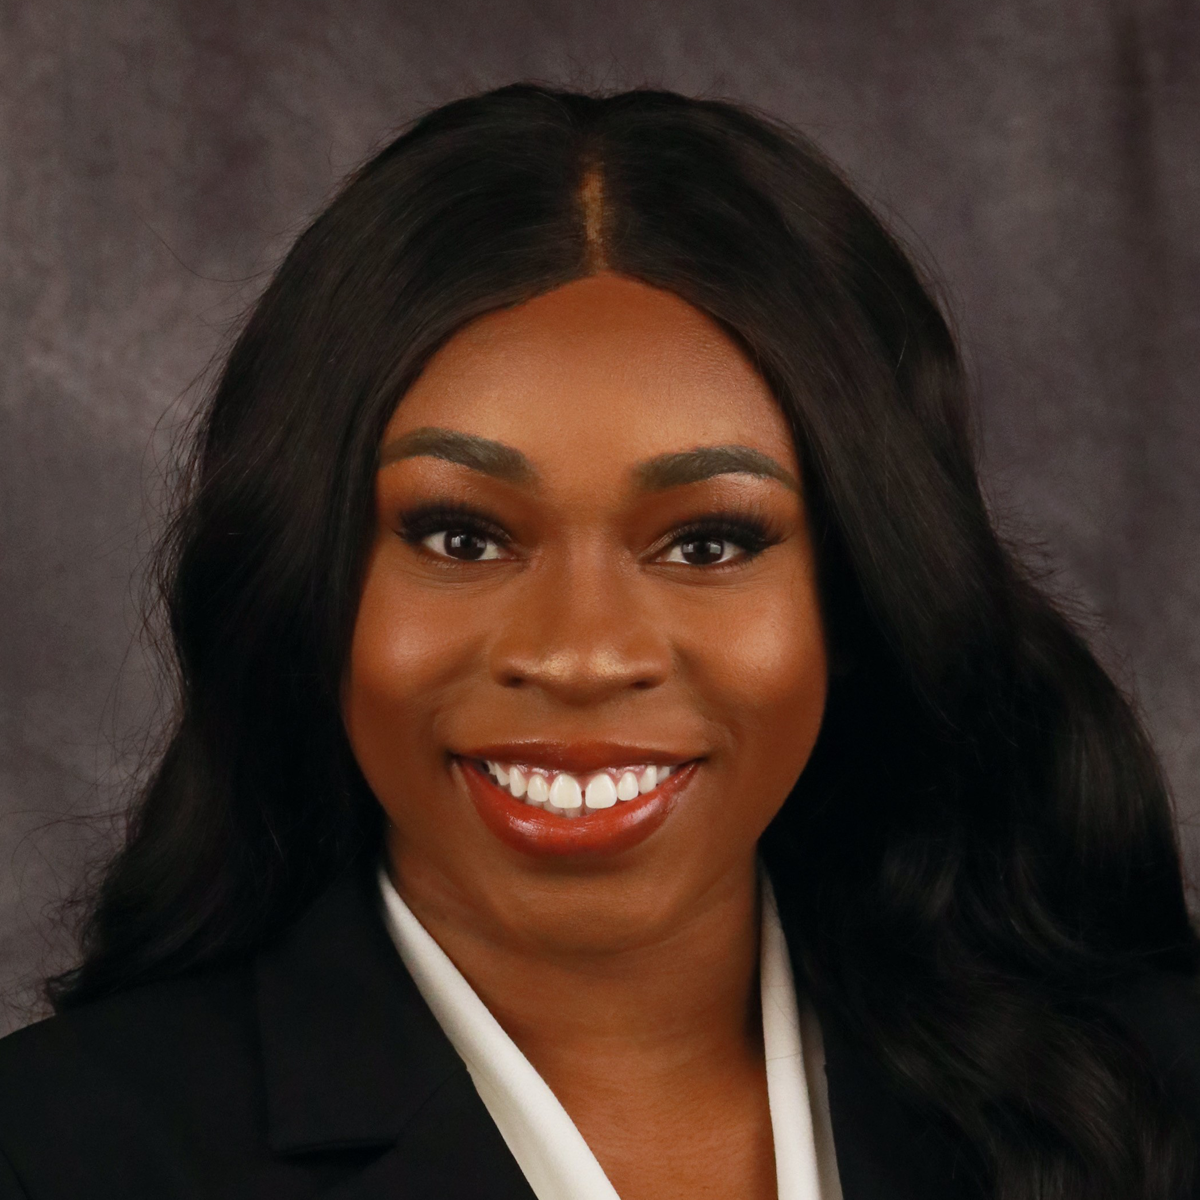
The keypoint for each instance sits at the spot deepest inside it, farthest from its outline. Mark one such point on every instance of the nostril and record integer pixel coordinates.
(574, 673)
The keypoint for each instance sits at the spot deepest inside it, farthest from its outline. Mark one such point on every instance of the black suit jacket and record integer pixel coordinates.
(318, 1071)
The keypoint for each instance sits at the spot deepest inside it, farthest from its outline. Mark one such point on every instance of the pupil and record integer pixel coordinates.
(702, 550)
(465, 545)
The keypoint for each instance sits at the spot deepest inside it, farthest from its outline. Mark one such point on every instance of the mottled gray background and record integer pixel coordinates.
(158, 156)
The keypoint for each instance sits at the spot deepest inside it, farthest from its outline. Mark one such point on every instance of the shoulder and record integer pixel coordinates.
(161, 1069)
(197, 1025)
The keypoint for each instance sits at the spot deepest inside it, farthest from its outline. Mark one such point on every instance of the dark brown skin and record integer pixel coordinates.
(629, 980)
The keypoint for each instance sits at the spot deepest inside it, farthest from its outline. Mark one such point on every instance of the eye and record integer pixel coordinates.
(466, 545)
(455, 532)
(702, 551)
(719, 541)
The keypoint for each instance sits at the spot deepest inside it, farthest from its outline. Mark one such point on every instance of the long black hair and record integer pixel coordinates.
(981, 844)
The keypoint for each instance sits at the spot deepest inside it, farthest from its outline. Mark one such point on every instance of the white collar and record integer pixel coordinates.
(549, 1149)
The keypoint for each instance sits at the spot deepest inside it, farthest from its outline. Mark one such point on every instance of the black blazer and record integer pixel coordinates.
(318, 1071)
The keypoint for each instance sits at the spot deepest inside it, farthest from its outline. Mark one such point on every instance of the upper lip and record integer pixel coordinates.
(576, 757)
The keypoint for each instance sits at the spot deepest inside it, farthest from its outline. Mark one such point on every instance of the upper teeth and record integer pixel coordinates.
(570, 795)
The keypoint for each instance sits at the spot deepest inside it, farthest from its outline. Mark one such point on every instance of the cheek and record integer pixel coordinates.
(766, 676)
(404, 657)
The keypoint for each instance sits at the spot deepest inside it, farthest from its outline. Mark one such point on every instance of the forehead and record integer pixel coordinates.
(606, 365)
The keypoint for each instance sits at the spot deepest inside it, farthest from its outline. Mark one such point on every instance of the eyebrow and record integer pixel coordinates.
(705, 462)
(655, 474)
(466, 449)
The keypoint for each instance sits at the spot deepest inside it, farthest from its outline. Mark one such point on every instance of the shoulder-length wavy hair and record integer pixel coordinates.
(981, 844)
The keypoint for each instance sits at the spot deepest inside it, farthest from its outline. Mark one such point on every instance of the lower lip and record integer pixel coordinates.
(605, 831)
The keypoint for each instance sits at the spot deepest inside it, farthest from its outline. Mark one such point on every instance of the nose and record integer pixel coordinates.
(581, 633)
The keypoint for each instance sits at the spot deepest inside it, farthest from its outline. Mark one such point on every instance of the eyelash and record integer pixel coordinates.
(419, 523)
(751, 532)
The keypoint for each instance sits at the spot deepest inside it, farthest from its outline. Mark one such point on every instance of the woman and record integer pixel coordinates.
(603, 699)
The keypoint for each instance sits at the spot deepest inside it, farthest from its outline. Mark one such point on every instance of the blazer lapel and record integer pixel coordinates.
(354, 1061)
(450, 1148)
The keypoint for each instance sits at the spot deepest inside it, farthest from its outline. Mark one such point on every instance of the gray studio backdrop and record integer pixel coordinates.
(159, 155)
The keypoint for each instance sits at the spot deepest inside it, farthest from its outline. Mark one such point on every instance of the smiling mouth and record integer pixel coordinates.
(573, 801)
(569, 795)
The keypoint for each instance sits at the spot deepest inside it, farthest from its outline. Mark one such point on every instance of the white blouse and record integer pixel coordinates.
(543, 1139)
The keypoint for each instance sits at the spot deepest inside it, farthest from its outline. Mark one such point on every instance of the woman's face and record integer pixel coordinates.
(590, 564)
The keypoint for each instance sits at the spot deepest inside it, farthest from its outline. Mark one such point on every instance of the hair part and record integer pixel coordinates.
(591, 200)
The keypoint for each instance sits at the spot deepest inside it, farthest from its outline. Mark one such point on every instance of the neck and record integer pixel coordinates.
(655, 1011)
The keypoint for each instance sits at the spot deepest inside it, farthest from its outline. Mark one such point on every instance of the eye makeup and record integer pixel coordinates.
(749, 529)
(416, 524)
(751, 532)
